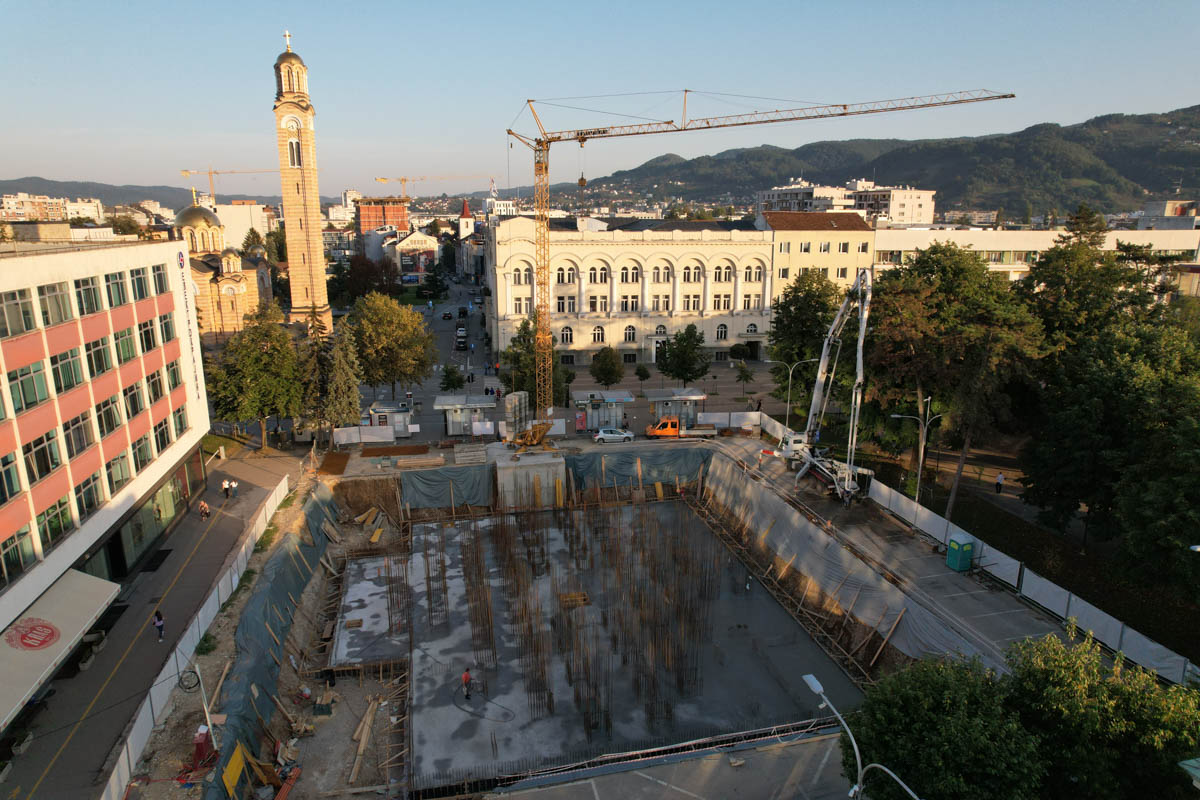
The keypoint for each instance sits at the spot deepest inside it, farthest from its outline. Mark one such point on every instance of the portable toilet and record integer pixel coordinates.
(960, 550)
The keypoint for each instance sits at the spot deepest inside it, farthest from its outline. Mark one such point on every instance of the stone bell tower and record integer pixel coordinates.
(298, 179)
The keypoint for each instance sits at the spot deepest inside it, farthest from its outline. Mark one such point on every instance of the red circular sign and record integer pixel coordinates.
(31, 633)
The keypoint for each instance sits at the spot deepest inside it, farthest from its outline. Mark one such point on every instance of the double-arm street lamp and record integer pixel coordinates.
(787, 416)
(815, 687)
(923, 423)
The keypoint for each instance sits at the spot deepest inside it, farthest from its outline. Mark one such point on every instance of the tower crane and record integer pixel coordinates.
(540, 143)
(407, 179)
(212, 189)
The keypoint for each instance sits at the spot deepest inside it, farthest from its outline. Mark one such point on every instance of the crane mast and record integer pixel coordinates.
(540, 145)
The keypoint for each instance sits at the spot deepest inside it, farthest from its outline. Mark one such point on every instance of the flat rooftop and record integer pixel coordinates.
(597, 630)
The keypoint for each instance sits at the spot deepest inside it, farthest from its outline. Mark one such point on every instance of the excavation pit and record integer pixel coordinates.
(588, 631)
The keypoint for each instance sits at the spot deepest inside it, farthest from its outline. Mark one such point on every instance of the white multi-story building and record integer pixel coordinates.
(88, 207)
(101, 416)
(1012, 252)
(495, 207)
(239, 217)
(632, 284)
(883, 206)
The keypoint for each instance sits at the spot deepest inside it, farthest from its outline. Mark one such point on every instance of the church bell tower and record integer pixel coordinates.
(298, 179)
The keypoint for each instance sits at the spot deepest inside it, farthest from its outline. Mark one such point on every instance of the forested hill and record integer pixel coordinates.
(170, 196)
(1113, 163)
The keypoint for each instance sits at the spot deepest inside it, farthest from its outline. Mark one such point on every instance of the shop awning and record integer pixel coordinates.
(34, 647)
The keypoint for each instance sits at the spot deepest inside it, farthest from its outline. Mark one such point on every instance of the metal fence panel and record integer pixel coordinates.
(346, 435)
(1046, 594)
(1105, 627)
(739, 418)
(718, 419)
(903, 507)
(160, 692)
(1000, 566)
(772, 427)
(1152, 655)
(931, 523)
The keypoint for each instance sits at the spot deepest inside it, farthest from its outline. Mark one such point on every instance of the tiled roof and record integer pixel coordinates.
(815, 221)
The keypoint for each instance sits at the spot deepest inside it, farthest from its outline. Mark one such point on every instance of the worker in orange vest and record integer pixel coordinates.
(466, 679)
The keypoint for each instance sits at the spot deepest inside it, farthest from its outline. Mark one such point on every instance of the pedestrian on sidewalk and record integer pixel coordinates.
(466, 679)
(233, 485)
(225, 488)
(999, 482)
(159, 624)
(759, 405)
(204, 512)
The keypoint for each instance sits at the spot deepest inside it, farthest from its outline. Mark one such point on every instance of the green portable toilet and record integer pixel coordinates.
(959, 552)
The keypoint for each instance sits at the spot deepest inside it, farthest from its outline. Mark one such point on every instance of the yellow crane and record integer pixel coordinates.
(407, 179)
(212, 188)
(540, 143)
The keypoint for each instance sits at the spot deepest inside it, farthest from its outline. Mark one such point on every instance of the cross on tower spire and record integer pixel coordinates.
(287, 40)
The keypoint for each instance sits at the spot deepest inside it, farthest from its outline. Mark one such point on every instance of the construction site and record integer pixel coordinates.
(569, 613)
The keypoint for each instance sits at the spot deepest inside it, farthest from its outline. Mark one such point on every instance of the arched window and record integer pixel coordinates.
(604, 274)
(516, 277)
(598, 334)
(667, 273)
(562, 275)
(722, 332)
(749, 274)
(592, 275)
(287, 79)
(566, 336)
(687, 274)
(570, 274)
(630, 334)
(654, 276)
(529, 276)
(758, 272)
(624, 274)
(294, 153)
(192, 241)
(728, 273)
(204, 241)
(751, 328)
(660, 330)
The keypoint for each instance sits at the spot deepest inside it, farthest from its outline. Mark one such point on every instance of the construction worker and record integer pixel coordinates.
(466, 679)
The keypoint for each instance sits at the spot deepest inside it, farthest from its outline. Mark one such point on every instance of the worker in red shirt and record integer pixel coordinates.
(466, 679)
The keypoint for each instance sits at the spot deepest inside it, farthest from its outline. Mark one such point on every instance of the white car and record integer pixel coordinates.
(612, 435)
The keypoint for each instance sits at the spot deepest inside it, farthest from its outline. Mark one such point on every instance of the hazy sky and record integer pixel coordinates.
(132, 93)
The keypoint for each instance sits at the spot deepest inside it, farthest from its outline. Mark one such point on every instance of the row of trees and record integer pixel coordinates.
(1064, 722)
(264, 371)
(1081, 355)
(361, 276)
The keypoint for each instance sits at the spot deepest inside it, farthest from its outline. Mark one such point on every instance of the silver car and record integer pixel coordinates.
(612, 435)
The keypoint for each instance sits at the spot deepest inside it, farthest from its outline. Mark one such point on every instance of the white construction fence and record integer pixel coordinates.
(157, 706)
(1053, 598)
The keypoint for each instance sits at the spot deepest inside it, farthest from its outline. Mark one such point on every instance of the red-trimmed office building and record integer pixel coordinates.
(102, 411)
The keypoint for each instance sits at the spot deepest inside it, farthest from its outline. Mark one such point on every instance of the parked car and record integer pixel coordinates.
(460, 343)
(612, 435)
(447, 315)
(462, 311)
(462, 331)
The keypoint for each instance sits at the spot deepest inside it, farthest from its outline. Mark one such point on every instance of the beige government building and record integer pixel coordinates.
(631, 284)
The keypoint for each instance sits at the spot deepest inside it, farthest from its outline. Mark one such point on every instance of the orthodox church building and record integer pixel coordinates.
(229, 285)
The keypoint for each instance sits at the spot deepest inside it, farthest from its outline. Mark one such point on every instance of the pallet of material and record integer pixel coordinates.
(420, 462)
(331, 532)
(375, 536)
(470, 454)
(369, 514)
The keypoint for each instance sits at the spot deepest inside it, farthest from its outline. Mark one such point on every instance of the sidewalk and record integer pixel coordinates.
(87, 714)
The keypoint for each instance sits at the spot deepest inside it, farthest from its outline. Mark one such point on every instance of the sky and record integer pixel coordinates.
(132, 94)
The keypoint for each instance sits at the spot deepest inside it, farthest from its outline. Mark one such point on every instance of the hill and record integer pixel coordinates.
(169, 196)
(1114, 163)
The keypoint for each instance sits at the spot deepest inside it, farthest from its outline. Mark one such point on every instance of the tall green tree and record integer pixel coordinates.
(276, 244)
(1106, 730)
(452, 379)
(517, 361)
(944, 728)
(606, 367)
(256, 375)
(1086, 227)
(394, 346)
(313, 367)
(745, 375)
(252, 239)
(683, 356)
(945, 326)
(124, 224)
(643, 374)
(800, 320)
(343, 403)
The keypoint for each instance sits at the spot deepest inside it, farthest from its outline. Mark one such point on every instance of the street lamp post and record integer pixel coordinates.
(787, 416)
(923, 422)
(815, 687)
